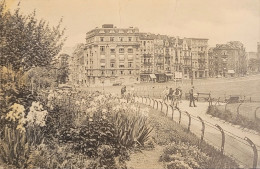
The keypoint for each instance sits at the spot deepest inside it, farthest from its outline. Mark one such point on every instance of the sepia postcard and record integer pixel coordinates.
(129, 84)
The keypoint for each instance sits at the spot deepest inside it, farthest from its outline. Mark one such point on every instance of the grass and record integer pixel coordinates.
(234, 118)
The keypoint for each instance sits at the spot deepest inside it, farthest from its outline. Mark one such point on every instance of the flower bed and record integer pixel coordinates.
(94, 130)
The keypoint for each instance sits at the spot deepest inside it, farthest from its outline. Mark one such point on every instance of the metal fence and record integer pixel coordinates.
(243, 150)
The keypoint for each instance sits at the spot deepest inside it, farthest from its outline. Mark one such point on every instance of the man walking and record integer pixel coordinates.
(192, 99)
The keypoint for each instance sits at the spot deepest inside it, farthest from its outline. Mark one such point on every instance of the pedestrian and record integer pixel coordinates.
(192, 98)
(178, 95)
(170, 95)
(123, 90)
(165, 93)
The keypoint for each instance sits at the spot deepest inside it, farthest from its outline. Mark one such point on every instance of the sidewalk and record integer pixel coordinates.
(235, 145)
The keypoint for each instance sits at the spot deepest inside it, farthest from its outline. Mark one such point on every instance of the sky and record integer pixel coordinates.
(219, 21)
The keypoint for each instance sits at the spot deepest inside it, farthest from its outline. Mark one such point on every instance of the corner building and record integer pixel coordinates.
(111, 56)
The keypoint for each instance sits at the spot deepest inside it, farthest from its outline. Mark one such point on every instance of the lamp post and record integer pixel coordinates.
(191, 68)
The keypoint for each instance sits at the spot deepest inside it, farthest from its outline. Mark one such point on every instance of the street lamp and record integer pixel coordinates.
(191, 67)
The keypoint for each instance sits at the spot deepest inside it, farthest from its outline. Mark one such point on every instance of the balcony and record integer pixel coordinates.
(147, 55)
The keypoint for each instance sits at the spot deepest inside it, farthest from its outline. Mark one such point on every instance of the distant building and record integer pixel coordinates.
(211, 63)
(230, 59)
(199, 54)
(147, 58)
(77, 71)
(112, 56)
(123, 55)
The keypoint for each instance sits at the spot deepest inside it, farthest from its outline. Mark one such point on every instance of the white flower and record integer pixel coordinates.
(36, 115)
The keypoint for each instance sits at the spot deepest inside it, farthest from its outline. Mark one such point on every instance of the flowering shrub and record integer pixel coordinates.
(184, 156)
(17, 116)
(36, 115)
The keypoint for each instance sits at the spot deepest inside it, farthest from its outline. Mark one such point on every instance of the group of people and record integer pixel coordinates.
(169, 94)
(173, 95)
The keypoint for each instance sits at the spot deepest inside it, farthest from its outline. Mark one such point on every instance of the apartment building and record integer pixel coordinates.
(147, 58)
(198, 48)
(230, 59)
(112, 56)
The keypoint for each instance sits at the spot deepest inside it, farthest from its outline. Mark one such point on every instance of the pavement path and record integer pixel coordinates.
(235, 145)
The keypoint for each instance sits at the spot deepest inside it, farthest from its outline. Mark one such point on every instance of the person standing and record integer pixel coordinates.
(192, 98)
(178, 95)
(123, 90)
(165, 93)
(170, 95)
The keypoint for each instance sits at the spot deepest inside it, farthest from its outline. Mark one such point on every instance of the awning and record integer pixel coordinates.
(168, 74)
(152, 76)
(231, 71)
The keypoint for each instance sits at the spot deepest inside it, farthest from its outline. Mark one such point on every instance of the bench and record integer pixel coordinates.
(204, 96)
(233, 99)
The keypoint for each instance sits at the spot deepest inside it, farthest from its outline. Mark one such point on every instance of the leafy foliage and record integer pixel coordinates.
(26, 41)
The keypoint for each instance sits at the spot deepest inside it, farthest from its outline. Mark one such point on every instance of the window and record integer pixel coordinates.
(130, 72)
(102, 48)
(112, 72)
(130, 64)
(102, 39)
(102, 67)
(121, 50)
(129, 39)
(112, 64)
(102, 72)
(121, 66)
(111, 39)
(130, 50)
(121, 39)
(112, 50)
(121, 72)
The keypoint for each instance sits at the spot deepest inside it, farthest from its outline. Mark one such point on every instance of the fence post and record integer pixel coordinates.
(255, 113)
(202, 130)
(157, 104)
(142, 99)
(172, 111)
(179, 115)
(188, 114)
(223, 138)
(153, 103)
(167, 109)
(238, 109)
(255, 151)
(161, 106)
(150, 101)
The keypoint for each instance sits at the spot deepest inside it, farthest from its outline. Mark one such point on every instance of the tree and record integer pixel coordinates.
(25, 41)
(254, 65)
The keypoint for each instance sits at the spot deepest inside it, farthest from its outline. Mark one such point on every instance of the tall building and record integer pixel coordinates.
(211, 62)
(199, 56)
(76, 65)
(147, 58)
(230, 59)
(112, 55)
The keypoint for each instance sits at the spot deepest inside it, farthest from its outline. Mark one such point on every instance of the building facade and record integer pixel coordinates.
(230, 59)
(123, 55)
(112, 56)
